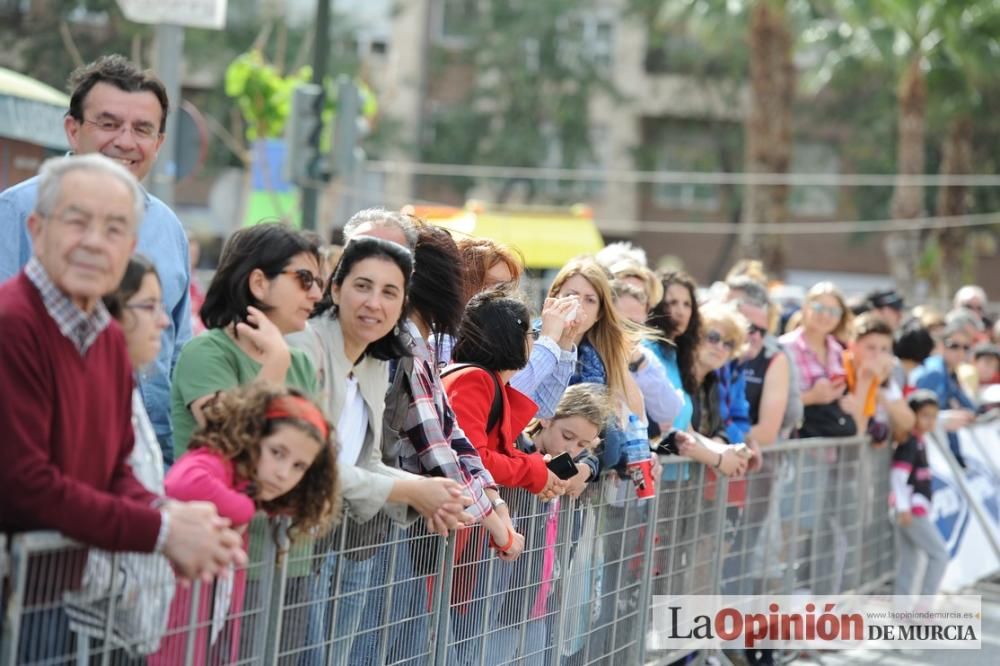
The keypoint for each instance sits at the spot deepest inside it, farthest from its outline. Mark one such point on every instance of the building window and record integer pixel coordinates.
(814, 200)
(589, 36)
(576, 190)
(455, 21)
(688, 150)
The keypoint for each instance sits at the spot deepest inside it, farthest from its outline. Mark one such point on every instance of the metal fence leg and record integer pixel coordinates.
(109, 619)
(566, 527)
(646, 582)
(15, 604)
(274, 617)
(266, 582)
(441, 606)
(721, 498)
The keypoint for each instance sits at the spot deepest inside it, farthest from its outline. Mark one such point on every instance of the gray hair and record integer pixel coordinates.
(962, 318)
(380, 217)
(51, 175)
(970, 292)
(621, 251)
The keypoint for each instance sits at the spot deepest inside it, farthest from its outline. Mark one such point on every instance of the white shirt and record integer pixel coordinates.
(352, 424)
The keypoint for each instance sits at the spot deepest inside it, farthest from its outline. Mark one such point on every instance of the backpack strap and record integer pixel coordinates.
(496, 409)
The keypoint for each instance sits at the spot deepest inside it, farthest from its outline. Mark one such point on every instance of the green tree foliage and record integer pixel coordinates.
(262, 94)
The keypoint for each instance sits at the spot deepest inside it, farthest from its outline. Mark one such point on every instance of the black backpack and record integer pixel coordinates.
(496, 409)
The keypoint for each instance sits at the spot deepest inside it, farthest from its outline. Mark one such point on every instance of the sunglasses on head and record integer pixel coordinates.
(716, 338)
(831, 310)
(306, 278)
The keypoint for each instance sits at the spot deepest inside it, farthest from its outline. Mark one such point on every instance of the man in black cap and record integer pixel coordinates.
(887, 304)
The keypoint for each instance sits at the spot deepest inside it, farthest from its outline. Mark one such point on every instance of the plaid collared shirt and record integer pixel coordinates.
(432, 441)
(810, 369)
(80, 328)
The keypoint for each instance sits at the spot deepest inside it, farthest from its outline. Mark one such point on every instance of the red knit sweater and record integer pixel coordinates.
(67, 431)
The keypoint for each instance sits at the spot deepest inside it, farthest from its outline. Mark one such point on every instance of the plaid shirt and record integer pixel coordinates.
(807, 365)
(432, 441)
(80, 328)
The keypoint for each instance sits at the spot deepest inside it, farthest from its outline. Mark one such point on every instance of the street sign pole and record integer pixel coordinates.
(169, 53)
(321, 51)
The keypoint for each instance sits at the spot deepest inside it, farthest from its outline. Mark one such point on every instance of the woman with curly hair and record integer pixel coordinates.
(260, 448)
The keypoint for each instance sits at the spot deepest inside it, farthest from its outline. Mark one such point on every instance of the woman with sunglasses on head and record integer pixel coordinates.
(816, 352)
(352, 337)
(265, 287)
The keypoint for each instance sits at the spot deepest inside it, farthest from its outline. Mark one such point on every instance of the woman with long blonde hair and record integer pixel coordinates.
(604, 339)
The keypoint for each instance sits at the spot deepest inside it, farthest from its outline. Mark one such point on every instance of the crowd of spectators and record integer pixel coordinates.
(409, 380)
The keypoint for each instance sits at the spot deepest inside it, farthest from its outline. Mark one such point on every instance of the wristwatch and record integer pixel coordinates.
(498, 502)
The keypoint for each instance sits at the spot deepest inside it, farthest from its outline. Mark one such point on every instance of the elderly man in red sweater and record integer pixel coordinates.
(66, 383)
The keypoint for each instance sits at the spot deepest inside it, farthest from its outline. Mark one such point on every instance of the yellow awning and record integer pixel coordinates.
(25, 87)
(31, 111)
(546, 240)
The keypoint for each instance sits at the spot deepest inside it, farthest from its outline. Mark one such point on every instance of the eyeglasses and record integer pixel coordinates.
(955, 346)
(143, 132)
(152, 309)
(759, 330)
(716, 338)
(306, 278)
(829, 310)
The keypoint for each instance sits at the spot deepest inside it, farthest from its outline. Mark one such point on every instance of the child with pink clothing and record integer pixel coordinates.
(259, 448)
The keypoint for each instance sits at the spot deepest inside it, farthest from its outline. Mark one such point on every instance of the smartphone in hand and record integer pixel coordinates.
(562, 466)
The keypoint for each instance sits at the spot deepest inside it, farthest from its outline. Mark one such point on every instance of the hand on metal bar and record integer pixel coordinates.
(200, 543)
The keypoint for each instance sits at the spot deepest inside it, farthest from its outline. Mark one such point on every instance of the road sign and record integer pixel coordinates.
(186, 13)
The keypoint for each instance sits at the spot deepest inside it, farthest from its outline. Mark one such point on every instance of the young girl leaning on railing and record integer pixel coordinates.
(261, 448)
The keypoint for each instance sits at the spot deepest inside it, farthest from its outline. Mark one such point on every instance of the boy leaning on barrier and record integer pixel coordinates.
(879, 406)
(910, 480)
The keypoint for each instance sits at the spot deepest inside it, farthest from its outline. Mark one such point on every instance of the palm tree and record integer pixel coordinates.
(911, 38)
(770, 37)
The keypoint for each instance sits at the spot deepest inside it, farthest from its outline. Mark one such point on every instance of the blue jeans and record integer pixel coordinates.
(342, 604)
(405, 631)
(482, 616)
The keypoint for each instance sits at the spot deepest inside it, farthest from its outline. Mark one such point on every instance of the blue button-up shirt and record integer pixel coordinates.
(163, 241)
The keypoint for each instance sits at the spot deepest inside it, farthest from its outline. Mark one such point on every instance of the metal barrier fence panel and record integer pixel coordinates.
(593, 571)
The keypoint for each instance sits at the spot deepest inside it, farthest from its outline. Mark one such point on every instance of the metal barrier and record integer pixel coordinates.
(593, 571)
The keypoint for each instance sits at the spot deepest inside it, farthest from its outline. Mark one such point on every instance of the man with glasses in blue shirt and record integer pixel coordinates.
(120, 111)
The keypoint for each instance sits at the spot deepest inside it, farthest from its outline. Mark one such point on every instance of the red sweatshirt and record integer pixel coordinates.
(67, 431)
(471, 392)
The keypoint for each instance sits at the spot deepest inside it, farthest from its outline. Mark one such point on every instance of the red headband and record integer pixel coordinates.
(295, 407)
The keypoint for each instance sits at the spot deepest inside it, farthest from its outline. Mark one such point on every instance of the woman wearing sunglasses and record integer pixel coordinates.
(722, 341)
(265, 287)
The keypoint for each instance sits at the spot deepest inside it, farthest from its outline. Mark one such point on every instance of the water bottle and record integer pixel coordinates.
(638, 459)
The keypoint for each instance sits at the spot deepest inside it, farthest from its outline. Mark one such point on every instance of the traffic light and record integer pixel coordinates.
(305, 164)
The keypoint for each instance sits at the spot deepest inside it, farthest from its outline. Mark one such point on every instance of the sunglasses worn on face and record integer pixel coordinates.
(306, 278)
(831, 310)
(715, 338)
(759, 330)
(955, 346)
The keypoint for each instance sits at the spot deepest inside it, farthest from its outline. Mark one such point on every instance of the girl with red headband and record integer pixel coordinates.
(261, 448)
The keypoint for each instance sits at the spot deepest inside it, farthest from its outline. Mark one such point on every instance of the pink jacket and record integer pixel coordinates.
(204, 475)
